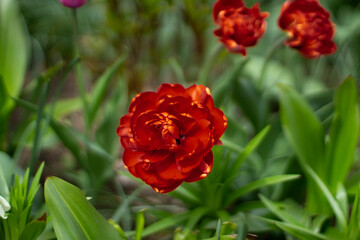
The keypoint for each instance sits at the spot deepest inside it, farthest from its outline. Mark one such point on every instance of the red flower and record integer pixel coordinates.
(239, 26)
(72, 3)
(309, 27)
(168, 135)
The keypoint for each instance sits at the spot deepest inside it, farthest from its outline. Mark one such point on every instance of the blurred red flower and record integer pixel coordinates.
(168, 135)
(73, 3)
(309, 27)
(239, 26)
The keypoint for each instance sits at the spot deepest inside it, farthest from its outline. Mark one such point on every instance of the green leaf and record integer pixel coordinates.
(3, 94)
(101, 86)
(125, 204)
(178, 71)
(300, 232)
(252, 103)
(13, 50)
(250, 147)
(165, 223)
(280, 211)
(206, 67)
(140, 223)
(354, 222)
(344, 133)
(118, 229)
(258, 184)
(184, 193)
(218, 229)
(71, 139)
(34, 187)
(194, 217)
(39, 117)
(338, 211)
(306, 136)
(72, 215)
(302, 128)
(342, 199)
(225, 82)
(318, 222)
(66, 106)
(33, 230)
(7, 169)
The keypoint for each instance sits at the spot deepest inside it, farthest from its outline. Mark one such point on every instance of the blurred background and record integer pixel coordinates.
(157, 41)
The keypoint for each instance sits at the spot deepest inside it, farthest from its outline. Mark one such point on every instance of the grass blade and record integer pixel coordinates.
(354, 222)
(140, 223)
(340, 216)
(258, 184)
(101, 86)
(344, 133)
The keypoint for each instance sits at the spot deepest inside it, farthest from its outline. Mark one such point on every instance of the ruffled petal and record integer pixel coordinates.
(225, 4)
(203, 170)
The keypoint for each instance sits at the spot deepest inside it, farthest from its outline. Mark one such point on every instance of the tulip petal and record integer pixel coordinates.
(203, 170)
(308, 26)
(167, 133)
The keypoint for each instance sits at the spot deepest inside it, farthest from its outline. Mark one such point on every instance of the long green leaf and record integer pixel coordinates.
(354, 222)
(252, 103)
(165, 223)
(178, 71)
(34, 187)
(101, 86)
(7, 169)
(300, 232)
(225, 82)
(250, 147)
(3, 94)
(280, 212)
(340, 216)
(140, 223)
(258, 184)
(193, 219)
(306, 136)
(37, 138)
(72, 215)
(13, 50)
(344, 133)
(33, 230)
(302, 128)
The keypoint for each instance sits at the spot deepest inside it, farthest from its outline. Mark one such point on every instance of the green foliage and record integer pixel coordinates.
(13, 60)
(18, 225)
(344, 133)
(73, 217)
(309, 156)
(325, 173)
(13, 51)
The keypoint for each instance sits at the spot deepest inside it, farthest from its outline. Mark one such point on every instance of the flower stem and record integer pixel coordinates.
(278, 44)
(79, 72)
(205, 69)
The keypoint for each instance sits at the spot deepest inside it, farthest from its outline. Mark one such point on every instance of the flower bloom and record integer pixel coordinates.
(239, 26)
(309, 27)
(168, 135)
(4, 207)
(73, 3)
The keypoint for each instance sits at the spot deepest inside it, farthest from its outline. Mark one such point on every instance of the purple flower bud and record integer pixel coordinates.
(73, 3)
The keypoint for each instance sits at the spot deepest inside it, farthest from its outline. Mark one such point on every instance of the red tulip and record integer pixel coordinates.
(73, 3)
(239, 26)
(168, 135)
(309, 27)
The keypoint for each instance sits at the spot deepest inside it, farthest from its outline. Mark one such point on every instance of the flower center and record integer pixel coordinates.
(239, 24)
(167, 129)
